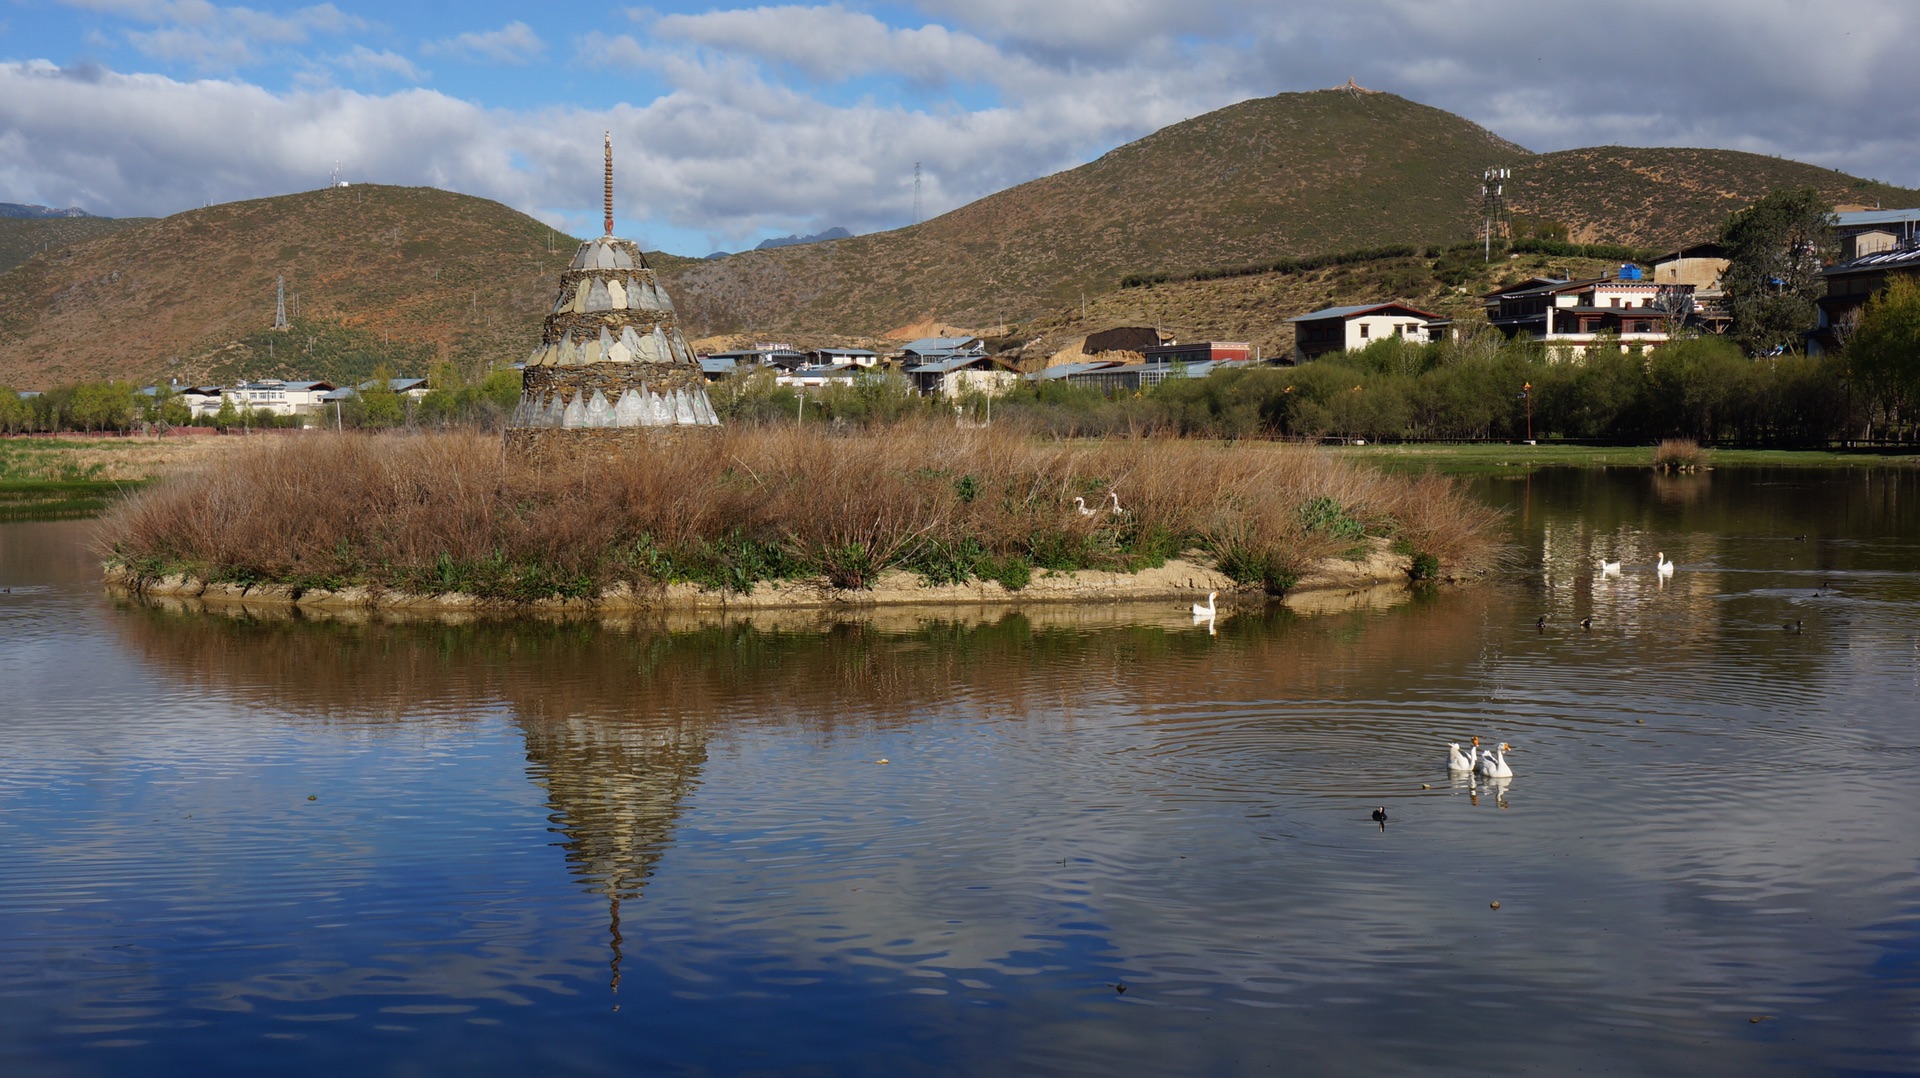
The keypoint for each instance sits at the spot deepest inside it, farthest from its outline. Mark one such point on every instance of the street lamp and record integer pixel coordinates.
(1526, 392)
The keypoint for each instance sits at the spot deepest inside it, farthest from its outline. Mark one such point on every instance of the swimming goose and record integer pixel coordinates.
(1460, 761)
(1662, 564)
(1494, 764)
(1609, 568)
(1206, 611)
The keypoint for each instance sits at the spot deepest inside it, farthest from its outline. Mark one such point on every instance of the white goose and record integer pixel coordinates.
(1115, 510)
(1661, 563)
(1609, 568)
(1081, 504)
(1494, 765)
(1206, 611)
(1460, 761)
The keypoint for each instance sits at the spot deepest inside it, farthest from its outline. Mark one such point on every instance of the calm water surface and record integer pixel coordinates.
(235, 845)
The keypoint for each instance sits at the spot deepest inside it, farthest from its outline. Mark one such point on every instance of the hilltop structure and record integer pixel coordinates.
(611, 356)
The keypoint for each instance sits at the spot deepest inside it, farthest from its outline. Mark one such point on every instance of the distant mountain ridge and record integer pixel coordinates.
(834, 233)
(21, 209)
(1289, 175)
(437, 275)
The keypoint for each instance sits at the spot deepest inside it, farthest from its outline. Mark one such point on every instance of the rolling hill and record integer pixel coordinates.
(23, 237)
(417, 273)
(1293, 174)
(411, 276)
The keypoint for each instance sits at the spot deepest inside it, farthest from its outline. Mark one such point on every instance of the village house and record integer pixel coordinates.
(1132, 377)
(833, 357)
(1573, 315)
(1345, 329)
(1851, 284)
(783, 356)
(819, 375)
(928, 349)
(960, 373)
(1868, 232)
(1702, 266)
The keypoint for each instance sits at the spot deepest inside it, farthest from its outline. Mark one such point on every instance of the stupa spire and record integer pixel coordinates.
(609, 199)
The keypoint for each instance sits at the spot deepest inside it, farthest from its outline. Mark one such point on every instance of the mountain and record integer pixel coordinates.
(835, 233)
(405, 275)
(412, 276)
(1293, 174)
(19, 209)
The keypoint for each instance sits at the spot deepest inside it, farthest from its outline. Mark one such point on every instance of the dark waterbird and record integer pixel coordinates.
(1380, 817)
(1541, 624)
(1587, 624)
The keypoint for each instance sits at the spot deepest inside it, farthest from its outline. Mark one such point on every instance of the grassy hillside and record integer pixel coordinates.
(1664, 196)
(1254, 308)
(1294, 174)
(418, 274)
(23, 237)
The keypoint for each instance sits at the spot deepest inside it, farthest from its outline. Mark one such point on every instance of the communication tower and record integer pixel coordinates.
(280, 303)
(1493, 205)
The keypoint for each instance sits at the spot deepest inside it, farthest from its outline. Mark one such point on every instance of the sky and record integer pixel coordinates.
(734, 124)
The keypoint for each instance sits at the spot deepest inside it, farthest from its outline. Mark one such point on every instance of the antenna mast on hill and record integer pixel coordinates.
(280, 303)
(1493, 204)
(916, 192)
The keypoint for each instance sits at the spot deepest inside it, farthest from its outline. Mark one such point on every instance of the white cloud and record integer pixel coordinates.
(832, 43)
(368, 64)
(514, 43)
(612, 50)
(212, 37)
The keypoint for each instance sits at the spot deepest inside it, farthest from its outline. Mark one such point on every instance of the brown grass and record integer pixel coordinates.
(451, 512)
(1679, 455)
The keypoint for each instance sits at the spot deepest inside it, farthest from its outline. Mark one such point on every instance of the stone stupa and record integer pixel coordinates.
(611, 360)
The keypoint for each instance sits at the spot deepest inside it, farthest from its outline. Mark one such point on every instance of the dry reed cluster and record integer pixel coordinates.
(452, 512)
(1679, 455)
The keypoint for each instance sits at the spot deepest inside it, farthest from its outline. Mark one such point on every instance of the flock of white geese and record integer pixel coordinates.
(1478, 761)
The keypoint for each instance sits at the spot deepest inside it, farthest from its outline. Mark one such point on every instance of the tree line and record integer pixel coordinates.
(115, 407)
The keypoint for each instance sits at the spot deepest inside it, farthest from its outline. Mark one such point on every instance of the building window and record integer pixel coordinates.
(1363, 330)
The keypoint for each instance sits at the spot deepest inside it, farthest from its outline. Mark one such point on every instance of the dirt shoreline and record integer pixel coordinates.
(1334, 584)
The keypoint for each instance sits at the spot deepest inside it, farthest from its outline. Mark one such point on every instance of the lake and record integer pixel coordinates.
(1064, 840)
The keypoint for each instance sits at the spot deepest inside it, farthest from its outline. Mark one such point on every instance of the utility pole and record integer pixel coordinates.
(916, 192)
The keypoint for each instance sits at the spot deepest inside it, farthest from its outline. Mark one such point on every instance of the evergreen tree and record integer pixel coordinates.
(1776, 248)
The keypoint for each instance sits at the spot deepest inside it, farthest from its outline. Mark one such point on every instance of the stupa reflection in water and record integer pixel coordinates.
(615, 788)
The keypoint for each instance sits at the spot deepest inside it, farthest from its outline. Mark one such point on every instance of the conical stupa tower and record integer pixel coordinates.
(611, 355)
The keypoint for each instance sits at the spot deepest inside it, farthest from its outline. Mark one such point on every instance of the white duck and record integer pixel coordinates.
(1494, 765)
(1661, 563)
(1609, 568)
(1206, 611)
(1461, 761)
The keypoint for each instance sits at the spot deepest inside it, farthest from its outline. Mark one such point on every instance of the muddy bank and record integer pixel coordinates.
(1332, 584)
